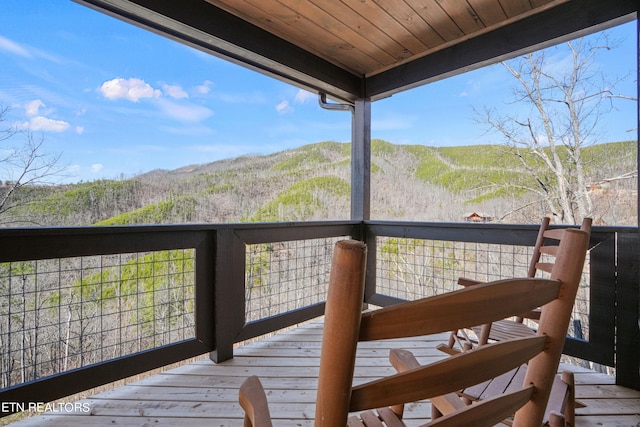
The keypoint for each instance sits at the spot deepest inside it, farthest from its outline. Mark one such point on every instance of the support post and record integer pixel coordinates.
(229, 305)
(361, 161)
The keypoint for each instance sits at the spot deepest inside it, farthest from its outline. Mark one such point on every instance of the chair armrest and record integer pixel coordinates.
(404, 360)
(253, 400)
(448, 350)
(401, 360)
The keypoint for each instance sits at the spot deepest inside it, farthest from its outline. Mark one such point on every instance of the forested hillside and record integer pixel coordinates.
(312, 183)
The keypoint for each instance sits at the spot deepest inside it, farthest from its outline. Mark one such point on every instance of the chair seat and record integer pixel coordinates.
(382, 417)
(506, 329)
(560, 391)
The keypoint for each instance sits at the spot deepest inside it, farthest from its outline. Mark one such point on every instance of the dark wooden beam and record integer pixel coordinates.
(206, 27)
(561, 23)
(361, 161)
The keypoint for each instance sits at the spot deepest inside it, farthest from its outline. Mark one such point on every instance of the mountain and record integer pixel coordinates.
(409, 182)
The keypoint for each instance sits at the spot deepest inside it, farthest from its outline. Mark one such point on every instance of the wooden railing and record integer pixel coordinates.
(235, 263)
(612, 289)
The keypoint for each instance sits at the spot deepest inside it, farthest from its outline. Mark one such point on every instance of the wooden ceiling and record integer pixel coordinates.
(367, 37)
(350, 49)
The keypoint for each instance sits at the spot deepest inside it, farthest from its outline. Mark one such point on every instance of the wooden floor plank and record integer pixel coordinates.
(609, 421)
(204, 393)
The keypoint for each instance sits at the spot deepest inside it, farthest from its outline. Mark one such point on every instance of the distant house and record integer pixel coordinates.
(477, 217)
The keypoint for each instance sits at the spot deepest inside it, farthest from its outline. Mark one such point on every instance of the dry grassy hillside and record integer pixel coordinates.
(312, 183)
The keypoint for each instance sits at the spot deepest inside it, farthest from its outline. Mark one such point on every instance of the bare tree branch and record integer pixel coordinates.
(23, 163)
(567, 99)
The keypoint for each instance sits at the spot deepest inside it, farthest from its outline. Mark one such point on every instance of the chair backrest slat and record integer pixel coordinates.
(536, 249)
(545, 266)
(542, 246)
(549, 250)
(458, 309)
(448, 375)
(555, 234)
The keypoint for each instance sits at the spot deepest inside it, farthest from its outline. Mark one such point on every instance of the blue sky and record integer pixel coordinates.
(115, 100)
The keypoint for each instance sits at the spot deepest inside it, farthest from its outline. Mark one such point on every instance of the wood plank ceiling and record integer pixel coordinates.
(368, 49)
(367, 37)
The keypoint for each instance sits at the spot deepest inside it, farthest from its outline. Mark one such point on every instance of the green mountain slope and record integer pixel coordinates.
(312, 182)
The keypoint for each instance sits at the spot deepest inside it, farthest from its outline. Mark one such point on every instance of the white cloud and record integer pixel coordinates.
(79, 130)
(184, 111)
(175, 91)
(13, 47)
(205, 87)
(97, 167)
(302, 96)
(131, 89)
(37, 120)
(284, 107)
(33, 108)
(25, 51)
(45, 124)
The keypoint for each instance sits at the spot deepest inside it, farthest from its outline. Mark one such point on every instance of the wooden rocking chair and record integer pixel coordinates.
(514, 327)
(345, 325)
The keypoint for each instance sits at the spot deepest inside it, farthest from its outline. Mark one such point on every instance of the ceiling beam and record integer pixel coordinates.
(206, 27)
(561, 23)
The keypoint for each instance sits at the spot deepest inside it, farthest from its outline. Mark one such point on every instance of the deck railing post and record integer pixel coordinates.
(229, 302)
(628, 312)
(372, 260)
(204, 287)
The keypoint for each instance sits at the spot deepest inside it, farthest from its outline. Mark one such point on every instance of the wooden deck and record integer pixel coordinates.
(205, 394)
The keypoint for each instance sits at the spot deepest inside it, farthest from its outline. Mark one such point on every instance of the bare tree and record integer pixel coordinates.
(23, 163)
(567, 95)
